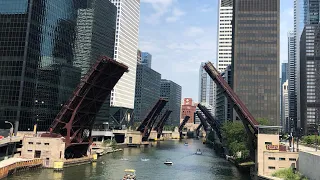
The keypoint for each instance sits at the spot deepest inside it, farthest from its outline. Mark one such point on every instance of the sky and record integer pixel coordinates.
(180, 34)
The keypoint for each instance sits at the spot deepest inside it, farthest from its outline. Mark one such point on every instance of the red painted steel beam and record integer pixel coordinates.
(218, 79)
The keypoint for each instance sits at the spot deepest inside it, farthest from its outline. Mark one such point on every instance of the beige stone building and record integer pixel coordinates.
(271, 155)
(48, 149)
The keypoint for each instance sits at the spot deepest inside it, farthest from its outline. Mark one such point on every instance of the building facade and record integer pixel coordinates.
(147, 91)
(292, 76)
(223, 107)
(146, 59)
(125, 51)
(203, 84)
(224, 34)
(283, 79)
(255, 78)
(188, 109)
(285, 108)
(310, 79)
(96, 27)
(37, 54)
(171, 91)
(212, 92)
(306, 12)
(207, 87)
(138, 57)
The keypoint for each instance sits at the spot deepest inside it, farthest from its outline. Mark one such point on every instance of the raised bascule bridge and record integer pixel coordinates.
(182, 124)
(249, 122)
(147, 124)
(76, 118)
(75, 121)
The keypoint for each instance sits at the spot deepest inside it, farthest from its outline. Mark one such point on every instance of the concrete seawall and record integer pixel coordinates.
(12, 165)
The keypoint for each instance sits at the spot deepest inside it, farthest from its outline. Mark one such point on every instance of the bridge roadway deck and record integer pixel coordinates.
(7, 140)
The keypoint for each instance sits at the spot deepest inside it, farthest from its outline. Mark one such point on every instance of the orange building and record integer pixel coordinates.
(188, 109)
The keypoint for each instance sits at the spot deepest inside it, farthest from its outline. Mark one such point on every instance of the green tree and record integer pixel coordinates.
(113, 144)
(235, 138)
(263, 121)
(288, 174)
(168, 128)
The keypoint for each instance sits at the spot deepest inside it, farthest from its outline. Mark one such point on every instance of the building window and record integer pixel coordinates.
(272, 158)
(282, 159)
(47, 144)
(292, 159)
(30, 143)
(38, 143)
(271, 167)
(29, 150)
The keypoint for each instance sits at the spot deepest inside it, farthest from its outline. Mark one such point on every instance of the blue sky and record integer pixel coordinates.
(180, 34)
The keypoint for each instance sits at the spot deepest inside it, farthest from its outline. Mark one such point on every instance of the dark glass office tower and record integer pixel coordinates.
(96, 28)
(37, 75)
(171, 91)
(147, 91)
(255, 61)
(310, 79)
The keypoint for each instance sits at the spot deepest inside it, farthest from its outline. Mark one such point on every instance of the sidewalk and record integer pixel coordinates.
(304, 148)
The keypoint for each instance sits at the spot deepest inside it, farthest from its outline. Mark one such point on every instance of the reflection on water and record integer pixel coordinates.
(186, 165)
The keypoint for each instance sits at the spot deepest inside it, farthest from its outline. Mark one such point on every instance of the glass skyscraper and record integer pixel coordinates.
(306, 12)
(147, 91)
(310, 78)
(95, 37)
(146, 59)
(37, 53)
(171, 91)
(255, 61)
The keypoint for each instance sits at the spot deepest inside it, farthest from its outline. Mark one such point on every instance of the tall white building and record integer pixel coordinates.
(224, 34)
(285, 107)
(207, 88)
(224, 52)
(125, 51)
(203, 84)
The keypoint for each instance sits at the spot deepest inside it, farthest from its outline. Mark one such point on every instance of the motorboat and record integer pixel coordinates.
(168, 162)
(186, 144)
(144, 159)
(124, 159)
(198, 152)
(130, 174)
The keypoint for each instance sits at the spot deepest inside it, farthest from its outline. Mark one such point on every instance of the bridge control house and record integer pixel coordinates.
(271, 155)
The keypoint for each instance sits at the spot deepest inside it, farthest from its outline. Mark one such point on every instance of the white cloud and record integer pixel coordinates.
(176, 15)
(193, 31)
(160, 7)
(206, 8)
(149, 46)
(205, 45)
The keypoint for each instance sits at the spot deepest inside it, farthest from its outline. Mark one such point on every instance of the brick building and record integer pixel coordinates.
(188, 109)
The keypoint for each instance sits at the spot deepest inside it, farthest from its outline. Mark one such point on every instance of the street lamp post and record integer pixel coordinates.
(11, 129)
